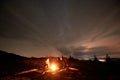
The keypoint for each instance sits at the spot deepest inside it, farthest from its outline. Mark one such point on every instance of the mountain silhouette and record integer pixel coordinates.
(5, 56)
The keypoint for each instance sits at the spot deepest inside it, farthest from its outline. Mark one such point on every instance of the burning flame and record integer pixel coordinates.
(48, 62)
(51, 66)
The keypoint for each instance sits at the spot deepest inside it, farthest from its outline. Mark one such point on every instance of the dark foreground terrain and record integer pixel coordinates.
(34, 69)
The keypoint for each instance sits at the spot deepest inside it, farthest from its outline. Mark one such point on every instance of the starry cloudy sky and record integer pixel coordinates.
(80, 28)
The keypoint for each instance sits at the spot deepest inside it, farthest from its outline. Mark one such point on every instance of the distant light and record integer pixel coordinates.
(102, 60)
(86, 58)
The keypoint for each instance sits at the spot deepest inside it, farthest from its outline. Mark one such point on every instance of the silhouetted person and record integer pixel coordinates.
(65, 62)
(108, 59)
(95, 59)
(60, 64)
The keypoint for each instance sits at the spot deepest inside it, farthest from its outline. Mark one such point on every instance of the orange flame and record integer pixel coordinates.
(48, 62)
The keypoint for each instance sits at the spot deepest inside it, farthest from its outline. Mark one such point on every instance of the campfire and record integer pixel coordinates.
(51, 66)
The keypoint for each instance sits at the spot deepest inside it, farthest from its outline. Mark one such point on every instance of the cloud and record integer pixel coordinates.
(76, 28)
(84, 52)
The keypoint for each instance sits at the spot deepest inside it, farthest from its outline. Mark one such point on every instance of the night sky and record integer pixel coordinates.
(80, 28)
